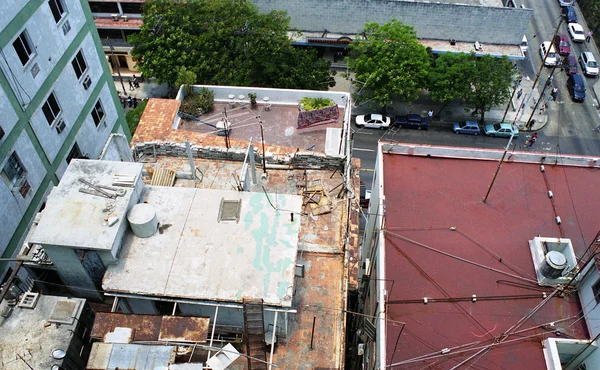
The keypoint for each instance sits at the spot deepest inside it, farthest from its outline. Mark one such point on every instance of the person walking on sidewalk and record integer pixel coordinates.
(130, 85)
(519, 93)
(589, 36)
(430, 115)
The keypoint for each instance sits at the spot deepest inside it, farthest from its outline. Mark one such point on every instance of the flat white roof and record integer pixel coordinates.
(198, 257)
(77, 220)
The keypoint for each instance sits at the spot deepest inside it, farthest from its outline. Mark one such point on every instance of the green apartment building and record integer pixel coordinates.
(57, 102)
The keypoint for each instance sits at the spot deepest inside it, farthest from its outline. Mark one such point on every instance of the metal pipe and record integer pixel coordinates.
(312, 334)
(212, 334)
(498, 168)
(273, 340)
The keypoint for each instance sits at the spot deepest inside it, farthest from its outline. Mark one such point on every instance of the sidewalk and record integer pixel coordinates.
(147, 89)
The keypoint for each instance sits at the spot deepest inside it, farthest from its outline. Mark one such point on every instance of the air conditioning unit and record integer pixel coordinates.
(115, 17)
(87, 82)
(35, 69)
(60, 126)
(66, 27)
(554, 260)
(124, 18)
(367, 267)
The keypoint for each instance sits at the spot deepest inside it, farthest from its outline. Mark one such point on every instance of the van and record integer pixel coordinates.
(576, 87)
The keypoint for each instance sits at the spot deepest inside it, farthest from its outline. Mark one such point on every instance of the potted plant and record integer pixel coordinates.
(252, 97)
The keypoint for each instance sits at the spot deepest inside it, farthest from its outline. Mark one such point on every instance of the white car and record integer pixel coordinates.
(589, 66)
(576, 32)
(373, 121)
(547, 48)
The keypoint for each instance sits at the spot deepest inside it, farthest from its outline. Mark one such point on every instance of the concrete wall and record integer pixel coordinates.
(588, 301)
(12, 203)
(431, 20)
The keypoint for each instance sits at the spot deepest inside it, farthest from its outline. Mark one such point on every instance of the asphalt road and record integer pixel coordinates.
(570, 125)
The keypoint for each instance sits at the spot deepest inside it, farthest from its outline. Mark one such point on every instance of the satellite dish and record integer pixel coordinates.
(58, 354)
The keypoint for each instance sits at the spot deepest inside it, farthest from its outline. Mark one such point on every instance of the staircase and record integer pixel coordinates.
(255, 334)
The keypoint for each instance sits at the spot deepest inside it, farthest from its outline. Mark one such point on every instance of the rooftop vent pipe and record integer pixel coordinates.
(142, 219)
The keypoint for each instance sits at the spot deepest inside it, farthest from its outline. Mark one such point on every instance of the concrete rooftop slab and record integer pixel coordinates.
(427, 196)
(25, 333)
(211, 260)
(77, 220)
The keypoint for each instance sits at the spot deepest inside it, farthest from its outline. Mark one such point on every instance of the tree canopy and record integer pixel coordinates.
(224, 42)
(388, 63)
(482, 81)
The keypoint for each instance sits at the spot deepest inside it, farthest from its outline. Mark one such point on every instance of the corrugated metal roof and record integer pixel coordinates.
(106, 356)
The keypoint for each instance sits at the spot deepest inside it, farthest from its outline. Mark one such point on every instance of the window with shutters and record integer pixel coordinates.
(79, 64)
(98, 113)
(51, 109)
(24, 47)
(13, 171)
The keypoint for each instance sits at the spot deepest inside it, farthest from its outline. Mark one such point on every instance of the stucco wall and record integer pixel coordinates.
(432, 20)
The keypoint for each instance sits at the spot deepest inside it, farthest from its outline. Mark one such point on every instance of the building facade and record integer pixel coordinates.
(58, 102)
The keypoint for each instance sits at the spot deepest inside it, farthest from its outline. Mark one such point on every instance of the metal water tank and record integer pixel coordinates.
(553, 265)
(142, 219)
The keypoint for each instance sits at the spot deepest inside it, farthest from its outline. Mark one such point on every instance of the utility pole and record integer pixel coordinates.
(498, 168)
(510, 101)
(529, 123)
(537, 76)
(116, 65)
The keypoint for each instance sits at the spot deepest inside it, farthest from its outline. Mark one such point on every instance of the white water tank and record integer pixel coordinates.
(553, 265)
(142, 219)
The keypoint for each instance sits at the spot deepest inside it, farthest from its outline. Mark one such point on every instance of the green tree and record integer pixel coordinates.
(185, 78)
(388, 63)
(483, 82)
(224, 42)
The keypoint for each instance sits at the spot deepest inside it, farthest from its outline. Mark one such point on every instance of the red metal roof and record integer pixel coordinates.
(425, 198)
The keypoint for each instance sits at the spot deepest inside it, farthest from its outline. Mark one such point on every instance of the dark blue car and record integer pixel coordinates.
(576, 87)
(569, 14)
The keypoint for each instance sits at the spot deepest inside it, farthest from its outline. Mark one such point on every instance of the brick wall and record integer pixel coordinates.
(492, 25)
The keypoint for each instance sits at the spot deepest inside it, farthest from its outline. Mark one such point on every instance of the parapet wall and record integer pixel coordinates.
(301, 159)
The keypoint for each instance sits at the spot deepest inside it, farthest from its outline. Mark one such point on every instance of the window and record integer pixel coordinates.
(74, 153)
(87, 82)
(24, 48)
(13, 170)
(58, 9)
(51, 109)
(79, 65)
(103, 7)
(98, 113)
(596, 290)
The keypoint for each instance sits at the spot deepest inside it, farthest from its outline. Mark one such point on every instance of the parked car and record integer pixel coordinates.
(566, 2)
(576, 32)
(562, 44)
(373, 121)
(467, 127)
(576, 87)
(501, 129)
(570, 65)
(547, 48)
(524, 44)
(412, 121)
(569, 14)
(589, 66)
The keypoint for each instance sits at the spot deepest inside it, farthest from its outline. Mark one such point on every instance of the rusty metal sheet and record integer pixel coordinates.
(184, 329)
(146, 327)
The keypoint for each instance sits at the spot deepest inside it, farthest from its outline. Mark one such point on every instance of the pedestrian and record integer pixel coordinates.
(520, 79)
(123, 101)
(532, 140)
(589, 36)
(519, 93)
(129, 102)
(136, 82)
(130, 85)
(543, 108)
(554, 93)
(430, 115)
(135, 102)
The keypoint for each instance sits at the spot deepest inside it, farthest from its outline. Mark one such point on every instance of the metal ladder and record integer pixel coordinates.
(255, 334)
